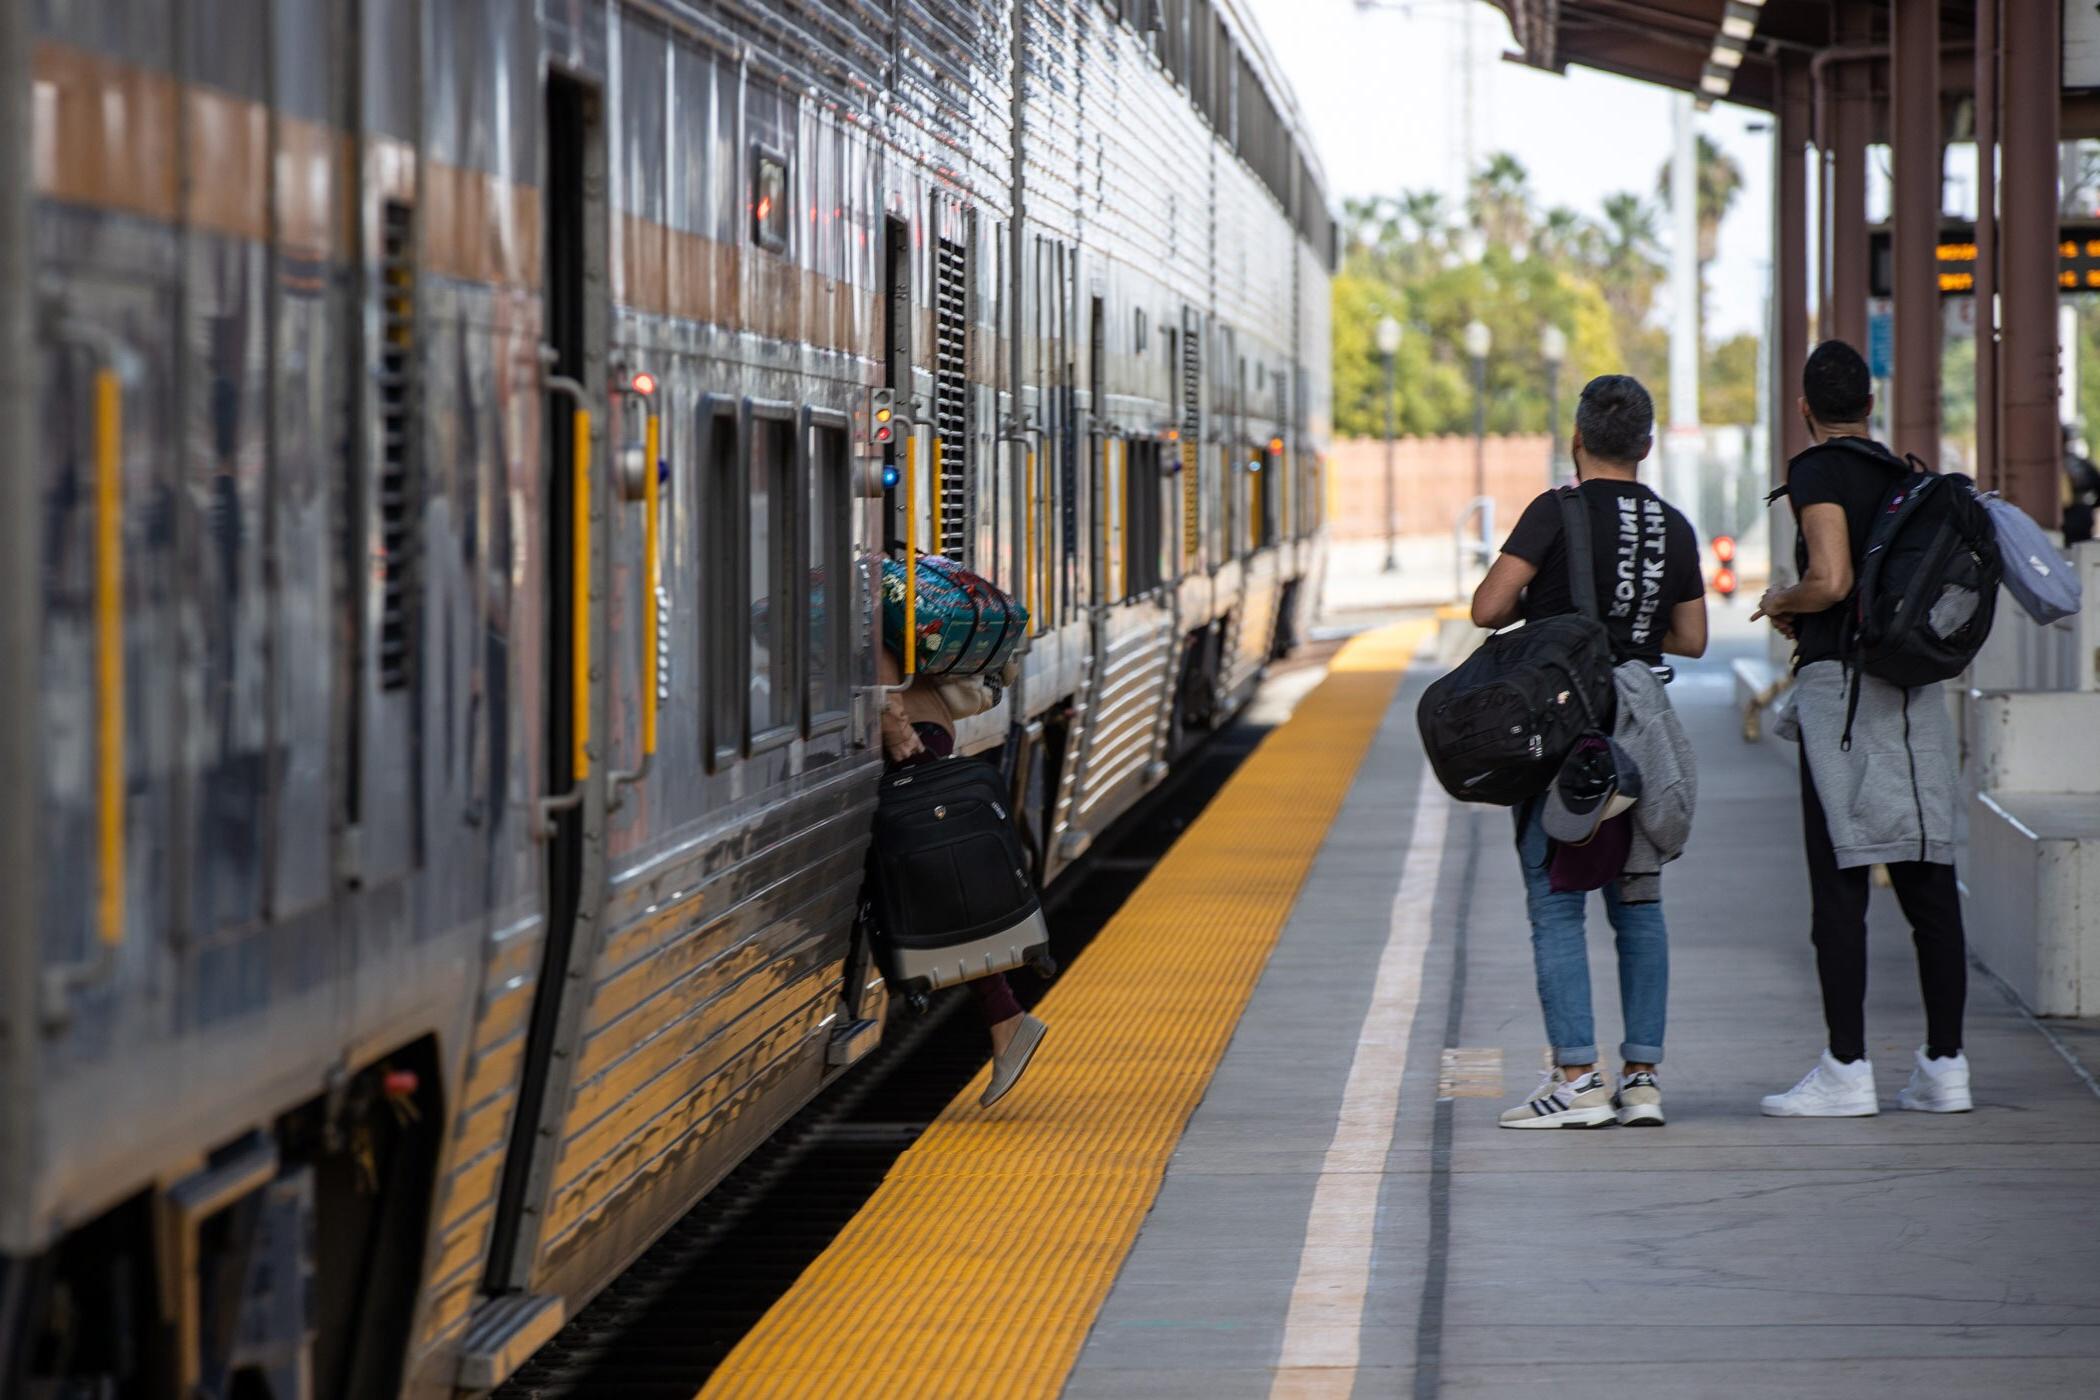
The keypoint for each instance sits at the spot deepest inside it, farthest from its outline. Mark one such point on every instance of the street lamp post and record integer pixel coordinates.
(1553, 346)
(1480, 340)
(1389, 348)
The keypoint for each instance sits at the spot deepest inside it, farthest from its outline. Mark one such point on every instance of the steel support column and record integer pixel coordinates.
(1848, 119)
(1789, 342)
(1986, 108)
(1914, 220)
(2029, 443)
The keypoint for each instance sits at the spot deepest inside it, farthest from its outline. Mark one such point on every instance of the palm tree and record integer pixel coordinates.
(1564, 236)
(1425, 210)
(1499, 202)
(1631, 268)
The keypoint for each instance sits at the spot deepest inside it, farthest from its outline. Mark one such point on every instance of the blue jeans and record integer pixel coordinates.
(1560, 953)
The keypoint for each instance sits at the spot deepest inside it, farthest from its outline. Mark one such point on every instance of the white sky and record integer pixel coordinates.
(1381, 90)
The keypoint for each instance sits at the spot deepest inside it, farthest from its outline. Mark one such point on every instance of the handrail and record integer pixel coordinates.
(115, 365)
(1028, 551)
(652, 661)
(109, 654)
(911, 548)
(579, 589)
(580, 595)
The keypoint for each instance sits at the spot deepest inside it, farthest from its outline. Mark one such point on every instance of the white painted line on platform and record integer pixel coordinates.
(1323, 1332)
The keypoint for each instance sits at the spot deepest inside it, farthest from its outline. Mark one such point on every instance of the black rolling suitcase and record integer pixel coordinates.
(948, 879)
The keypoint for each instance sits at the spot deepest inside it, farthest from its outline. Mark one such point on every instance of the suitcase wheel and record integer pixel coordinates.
(919, 1002)
(1043, 965)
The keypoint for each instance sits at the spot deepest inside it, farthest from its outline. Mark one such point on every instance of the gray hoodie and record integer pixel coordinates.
(1890, 797)
(1648, 730)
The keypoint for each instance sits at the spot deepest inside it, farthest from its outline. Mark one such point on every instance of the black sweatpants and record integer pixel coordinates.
(1839, 898)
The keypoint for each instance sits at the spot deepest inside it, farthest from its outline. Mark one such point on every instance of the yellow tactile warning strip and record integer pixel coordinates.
(978, 1265)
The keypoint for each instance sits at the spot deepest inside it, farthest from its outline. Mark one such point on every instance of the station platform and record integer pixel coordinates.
(1259, 1156)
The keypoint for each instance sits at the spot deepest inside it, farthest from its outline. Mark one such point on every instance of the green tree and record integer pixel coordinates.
(1499, 201)
(1596, 282)
(1728, 383)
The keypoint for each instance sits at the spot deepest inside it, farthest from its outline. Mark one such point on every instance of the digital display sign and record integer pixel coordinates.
(2077, 260)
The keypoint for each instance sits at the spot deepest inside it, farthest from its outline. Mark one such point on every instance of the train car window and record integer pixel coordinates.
(1268, 493)
(770, 608)
(769, 199)
(1143, 535)
(831, 605)
(721, 572)
(1137, 335)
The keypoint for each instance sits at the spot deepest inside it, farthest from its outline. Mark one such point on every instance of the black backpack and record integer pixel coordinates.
(1497, 726)
(1926, 590)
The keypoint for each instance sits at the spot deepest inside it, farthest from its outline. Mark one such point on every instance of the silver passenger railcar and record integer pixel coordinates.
(438, 599)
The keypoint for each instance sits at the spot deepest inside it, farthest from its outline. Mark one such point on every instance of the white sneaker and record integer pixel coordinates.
(1558, 1104)
(1640, 1100)
(1830, 1090)
(1938, 1086)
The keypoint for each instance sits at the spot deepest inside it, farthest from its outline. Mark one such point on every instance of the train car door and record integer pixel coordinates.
(572, 808)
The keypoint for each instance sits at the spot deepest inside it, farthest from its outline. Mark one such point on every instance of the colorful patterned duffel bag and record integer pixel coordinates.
(967, 626)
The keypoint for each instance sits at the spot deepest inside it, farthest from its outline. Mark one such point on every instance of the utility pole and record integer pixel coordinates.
(1681, 457)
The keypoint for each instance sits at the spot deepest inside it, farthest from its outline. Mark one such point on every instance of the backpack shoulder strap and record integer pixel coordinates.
(1582, 571)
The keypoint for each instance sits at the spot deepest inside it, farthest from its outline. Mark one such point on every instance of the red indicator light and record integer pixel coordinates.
(1724, 580)
(1724, 548)
(644, 383)
(882, 434)
(1276, 444)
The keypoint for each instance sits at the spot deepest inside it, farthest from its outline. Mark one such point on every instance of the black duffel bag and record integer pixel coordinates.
(1497, 726)
(948, 878)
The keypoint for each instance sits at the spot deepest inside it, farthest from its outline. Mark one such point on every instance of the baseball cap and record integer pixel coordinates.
(1596, 782)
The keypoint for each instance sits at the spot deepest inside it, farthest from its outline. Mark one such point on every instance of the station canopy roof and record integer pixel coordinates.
(1716, 48)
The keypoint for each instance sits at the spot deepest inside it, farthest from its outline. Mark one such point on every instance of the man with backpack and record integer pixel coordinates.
(1877, 758)
(1647, 591)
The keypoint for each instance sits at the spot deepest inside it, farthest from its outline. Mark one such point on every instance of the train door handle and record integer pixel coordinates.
(115, 368)
(579, 590)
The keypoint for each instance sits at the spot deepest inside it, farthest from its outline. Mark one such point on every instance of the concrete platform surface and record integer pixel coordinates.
(1343, 1216)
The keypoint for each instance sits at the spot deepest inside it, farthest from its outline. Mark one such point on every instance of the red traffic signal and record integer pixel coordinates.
(1724, 581)
(1724, 548)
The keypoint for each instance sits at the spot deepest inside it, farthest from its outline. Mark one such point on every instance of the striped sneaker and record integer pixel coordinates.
(1558, 1104)
(1639, 1100)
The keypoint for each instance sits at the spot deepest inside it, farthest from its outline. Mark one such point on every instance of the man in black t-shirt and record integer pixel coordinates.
(1647, 565)
(1642, 550)
(1878, 792)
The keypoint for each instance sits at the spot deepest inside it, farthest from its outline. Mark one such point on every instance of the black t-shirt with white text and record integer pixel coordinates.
(1643, 551)
(1857, 474)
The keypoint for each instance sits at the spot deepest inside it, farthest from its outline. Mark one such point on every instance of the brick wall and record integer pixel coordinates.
(1432, 482)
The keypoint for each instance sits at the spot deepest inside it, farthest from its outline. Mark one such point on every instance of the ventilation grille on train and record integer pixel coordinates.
(396, 442)
(951, 397)
(1191, 436)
